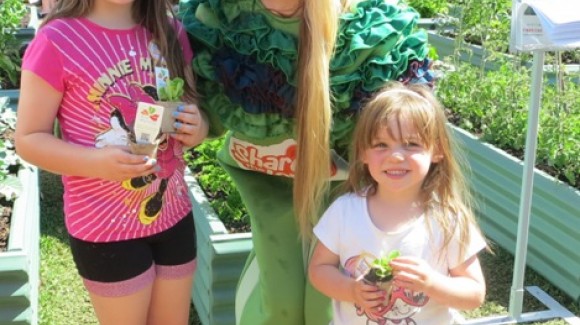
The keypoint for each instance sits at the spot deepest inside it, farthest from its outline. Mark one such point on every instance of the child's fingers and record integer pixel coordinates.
(372, 293)
(187, 113)
(121, 171)
(123, 155)
(193, 118)
(378, 297)
(188, 108)
(132, 159)
(181, 137)
(403, 266)
(405, 260)
(187, 134)
(141, 164)
(364, 286)
(189, 125)
(186, 128)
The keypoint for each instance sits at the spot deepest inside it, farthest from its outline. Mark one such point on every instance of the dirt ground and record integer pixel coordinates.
(5, 212)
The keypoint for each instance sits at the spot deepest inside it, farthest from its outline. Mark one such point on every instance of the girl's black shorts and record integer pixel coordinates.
(124, 267)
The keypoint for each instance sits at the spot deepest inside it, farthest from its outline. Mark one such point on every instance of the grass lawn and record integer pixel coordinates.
(64, 301)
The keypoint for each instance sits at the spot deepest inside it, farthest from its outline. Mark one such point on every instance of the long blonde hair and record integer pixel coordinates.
(318, 31)
(148, 14)
(445, 193)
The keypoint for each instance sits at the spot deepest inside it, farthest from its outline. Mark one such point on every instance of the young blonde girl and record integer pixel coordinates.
(405, 193)
(92, 65)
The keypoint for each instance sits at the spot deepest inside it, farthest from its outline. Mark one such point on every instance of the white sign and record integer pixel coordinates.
(545, 25)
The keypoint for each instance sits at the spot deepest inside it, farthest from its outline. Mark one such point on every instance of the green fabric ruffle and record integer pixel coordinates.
(376, 42)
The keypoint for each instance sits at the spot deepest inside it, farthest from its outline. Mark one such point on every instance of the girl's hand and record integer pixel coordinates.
(191, 125)
(368, 297)
(463, 288)
(413, 273)
(117, 163)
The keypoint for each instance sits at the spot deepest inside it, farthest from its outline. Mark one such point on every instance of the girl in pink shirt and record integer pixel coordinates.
(94, 65)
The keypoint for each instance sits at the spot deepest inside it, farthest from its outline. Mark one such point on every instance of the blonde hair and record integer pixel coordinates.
(318, 31)
(317, 37)
(444, 191)
(147, 14)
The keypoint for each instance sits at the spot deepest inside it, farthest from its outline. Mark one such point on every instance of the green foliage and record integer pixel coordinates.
(11, 14)
(10, 186)
(432, 54)
(428, 8)
(216, 183)
(485, 22)
(494, 105)
(381, 269)
(173, 91)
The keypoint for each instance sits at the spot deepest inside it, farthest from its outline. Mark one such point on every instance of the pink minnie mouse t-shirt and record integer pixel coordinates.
(103, 74)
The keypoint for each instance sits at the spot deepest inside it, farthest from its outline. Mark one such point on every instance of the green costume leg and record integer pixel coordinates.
(273, 288)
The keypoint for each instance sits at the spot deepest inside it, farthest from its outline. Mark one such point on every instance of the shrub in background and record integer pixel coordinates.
(11, 14)
(494, 105)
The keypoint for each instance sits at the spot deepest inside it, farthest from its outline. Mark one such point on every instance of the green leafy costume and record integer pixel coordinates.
(245, 62)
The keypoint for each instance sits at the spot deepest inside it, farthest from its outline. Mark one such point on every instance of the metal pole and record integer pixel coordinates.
(517, 291)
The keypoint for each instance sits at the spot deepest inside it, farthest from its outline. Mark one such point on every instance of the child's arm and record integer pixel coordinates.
(463, 288)
(35, 142)
(325, 276)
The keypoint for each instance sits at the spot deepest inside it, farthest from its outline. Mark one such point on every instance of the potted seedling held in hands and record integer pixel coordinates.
(154, 119)
(380, 272)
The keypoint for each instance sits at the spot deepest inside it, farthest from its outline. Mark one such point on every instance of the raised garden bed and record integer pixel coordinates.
(19, 231)
(19, 264)
(553, 247)
(221, 256)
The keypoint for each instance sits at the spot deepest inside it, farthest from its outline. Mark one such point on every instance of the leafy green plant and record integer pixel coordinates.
(10, 186)
(381, 270)
(218, 186)
(11, 14)
(429, 8)
(487, 22)
(173, 90)
(494, 106)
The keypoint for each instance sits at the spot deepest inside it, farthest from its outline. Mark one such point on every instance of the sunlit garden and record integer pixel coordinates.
(486, 90)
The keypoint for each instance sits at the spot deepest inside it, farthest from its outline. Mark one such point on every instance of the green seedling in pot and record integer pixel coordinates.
(173, 90)
(170, 97)
(380, 270)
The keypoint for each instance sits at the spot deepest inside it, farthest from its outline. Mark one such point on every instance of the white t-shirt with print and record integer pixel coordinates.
(348, 231)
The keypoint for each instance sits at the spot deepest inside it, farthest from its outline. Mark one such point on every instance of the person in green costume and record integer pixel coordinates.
(285, 79)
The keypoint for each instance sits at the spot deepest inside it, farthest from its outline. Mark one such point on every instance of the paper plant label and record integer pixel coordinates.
(161, 77)
(148, 122)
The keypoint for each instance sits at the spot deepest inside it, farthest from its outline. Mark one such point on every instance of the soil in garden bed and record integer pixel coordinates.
(5, 82)
(5, 205)
(5, 213)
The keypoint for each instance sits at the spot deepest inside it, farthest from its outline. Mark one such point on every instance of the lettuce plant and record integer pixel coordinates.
(173, 91)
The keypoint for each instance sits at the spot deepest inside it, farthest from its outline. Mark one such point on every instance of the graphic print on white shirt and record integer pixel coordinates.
(401, 305)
